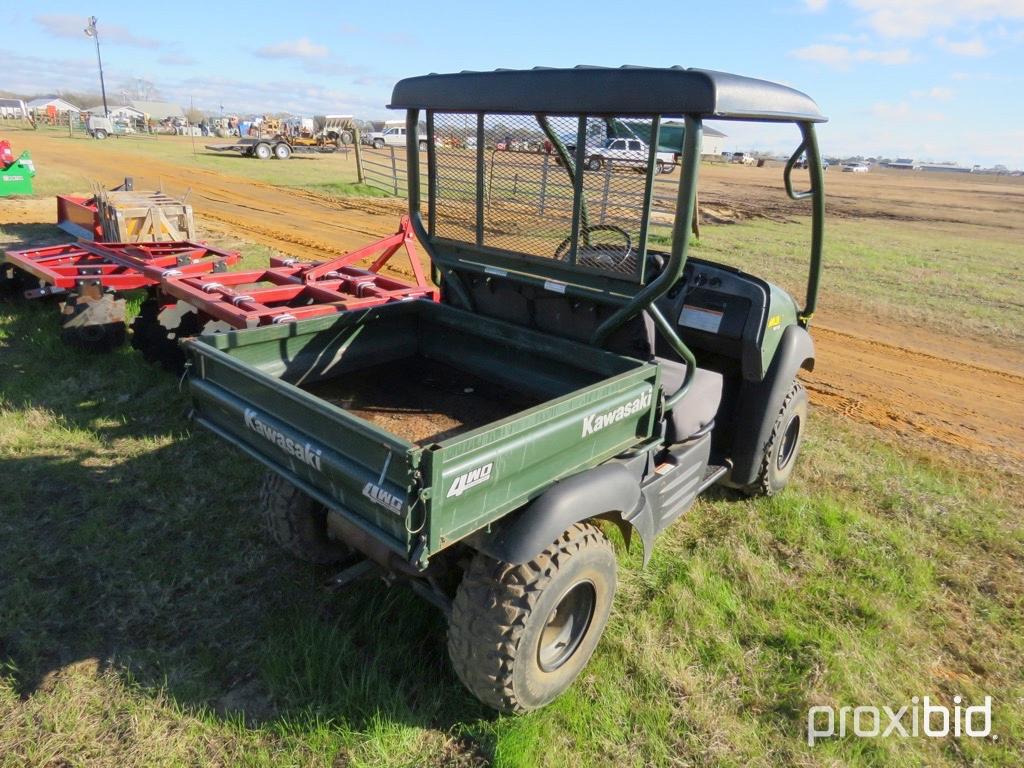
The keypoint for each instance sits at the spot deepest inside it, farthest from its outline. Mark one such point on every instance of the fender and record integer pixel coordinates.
(611, 490)
(760, 401)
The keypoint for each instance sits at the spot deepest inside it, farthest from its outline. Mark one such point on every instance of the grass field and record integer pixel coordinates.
(145, 619)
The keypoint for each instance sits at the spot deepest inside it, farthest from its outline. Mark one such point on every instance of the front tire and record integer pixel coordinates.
(595, 163)
(519, 635)
(263, 151)
(378, 143)
(783, 446)
(298, 523)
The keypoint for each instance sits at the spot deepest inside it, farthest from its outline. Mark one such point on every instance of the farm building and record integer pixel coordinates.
(903, 164)
(712, 141)
(158, 110)
(122, 112)
(58, 105)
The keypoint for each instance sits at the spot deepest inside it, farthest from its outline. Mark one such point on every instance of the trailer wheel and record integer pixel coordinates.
(262, 151)
(422, 146)
(345, 138)
(282, 151)
(99, 133)
(783, 446)
(520, 634)
(297, 523)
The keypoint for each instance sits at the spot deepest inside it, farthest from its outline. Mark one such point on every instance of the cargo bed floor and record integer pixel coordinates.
(421, 400)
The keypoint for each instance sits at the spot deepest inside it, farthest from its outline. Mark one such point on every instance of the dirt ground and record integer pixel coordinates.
(946, 391)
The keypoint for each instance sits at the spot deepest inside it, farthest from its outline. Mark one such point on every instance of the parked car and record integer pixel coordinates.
(632, 153)
(743, 158)
(855, 168)
(392, 137)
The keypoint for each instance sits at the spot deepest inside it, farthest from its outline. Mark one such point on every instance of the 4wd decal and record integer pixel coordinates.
(595, 422)
(379, 496)
(304, 452)
(472, 478)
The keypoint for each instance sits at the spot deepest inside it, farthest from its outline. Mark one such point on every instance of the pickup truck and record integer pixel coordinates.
(392, 137)
(629, 153)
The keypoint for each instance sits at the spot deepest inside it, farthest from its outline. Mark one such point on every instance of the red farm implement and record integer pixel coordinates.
(190, 290)
(89, 277)
(187, 304)
(124, 215)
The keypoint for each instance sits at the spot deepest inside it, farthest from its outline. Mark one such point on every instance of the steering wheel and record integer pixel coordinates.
(600, 255)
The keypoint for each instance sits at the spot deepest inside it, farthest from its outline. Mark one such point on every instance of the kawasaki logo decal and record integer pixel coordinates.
(472, 478)
(595, 422)
(378, 495)
(304, 452)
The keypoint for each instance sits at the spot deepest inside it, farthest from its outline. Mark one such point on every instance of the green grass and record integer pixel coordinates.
(146, 620)
(303, 171)
(950, 279)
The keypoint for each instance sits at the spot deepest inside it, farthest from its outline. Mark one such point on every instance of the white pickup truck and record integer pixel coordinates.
(392, 137)
(631, 153)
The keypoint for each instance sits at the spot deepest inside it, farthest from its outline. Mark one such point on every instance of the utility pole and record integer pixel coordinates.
(94, 33)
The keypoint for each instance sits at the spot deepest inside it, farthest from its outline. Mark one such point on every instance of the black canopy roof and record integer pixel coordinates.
(608, 90)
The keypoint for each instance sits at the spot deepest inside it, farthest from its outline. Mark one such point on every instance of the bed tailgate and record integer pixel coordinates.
(368, 475)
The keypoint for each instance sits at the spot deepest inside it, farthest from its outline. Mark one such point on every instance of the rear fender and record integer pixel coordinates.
(759, 402)
(610, 491)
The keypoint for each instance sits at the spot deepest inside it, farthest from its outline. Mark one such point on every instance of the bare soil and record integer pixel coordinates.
(947, 392)
(421, 401)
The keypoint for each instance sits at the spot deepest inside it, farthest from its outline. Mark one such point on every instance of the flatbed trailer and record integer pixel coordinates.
(278, 147)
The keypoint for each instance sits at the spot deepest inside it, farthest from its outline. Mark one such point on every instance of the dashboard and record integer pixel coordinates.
(720, 310)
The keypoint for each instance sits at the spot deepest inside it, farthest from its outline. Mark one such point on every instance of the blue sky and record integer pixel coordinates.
(933, 79)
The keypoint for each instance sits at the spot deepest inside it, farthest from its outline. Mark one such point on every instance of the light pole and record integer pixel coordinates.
(94, 33)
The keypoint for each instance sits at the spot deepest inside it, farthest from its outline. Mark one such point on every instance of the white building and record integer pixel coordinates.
(44, 104)
(116, 112)
(712, 141)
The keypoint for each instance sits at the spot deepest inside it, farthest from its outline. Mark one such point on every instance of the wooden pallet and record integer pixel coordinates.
(128, 216)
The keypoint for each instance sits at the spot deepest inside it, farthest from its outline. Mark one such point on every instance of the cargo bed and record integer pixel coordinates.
(419, 422)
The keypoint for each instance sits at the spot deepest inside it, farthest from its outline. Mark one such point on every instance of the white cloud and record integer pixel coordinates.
(302, 48)
(73, 26)
(973, 47)
(843, 57)
(904, 112)
(936, 93)
(916, 18)
(176, 59)
(816, 5)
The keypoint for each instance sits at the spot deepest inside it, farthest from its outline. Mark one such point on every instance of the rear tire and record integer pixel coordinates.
(282, 151)
(297, 523)
(99, 134)
(519, 635)
(262, 151)
(783, 446)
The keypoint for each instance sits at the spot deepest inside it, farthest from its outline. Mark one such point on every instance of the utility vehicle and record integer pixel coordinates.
(578, 373)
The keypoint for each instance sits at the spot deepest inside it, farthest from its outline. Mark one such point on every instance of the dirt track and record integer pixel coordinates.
(935, 389)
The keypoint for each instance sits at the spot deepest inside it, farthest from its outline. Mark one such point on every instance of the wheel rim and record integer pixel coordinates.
(566, 626)
(789, 441)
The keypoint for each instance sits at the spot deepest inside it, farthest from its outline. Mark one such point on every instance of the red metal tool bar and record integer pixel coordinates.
(292, 290)
(116, 266)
